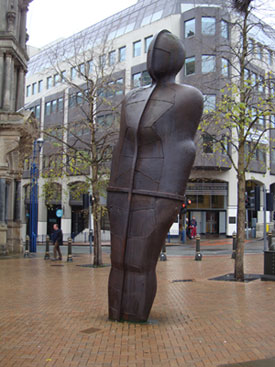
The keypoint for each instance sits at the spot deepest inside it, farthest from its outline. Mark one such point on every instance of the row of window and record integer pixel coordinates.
(86, 68)
(208, 65)
(208, 27)
(257, 49)
(208, 147)
(54, 106)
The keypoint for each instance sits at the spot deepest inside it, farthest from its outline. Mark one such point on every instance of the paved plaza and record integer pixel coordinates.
(55, 314)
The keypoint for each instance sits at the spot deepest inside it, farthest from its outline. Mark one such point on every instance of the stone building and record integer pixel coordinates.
(17, 127)
(203, 25)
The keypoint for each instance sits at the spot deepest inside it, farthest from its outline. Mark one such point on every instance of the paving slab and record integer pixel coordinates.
(58, 316)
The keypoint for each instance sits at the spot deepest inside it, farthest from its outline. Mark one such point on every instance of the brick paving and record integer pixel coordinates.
(57, 316)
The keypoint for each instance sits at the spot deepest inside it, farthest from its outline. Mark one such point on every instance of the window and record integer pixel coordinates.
(90, 66)
(253, 79)
(208, 25)
(250, 46)
(246, 74)
(28, 90)
(208, 64)
(81, 69)
(79, 98)
(261, 119)
(56, 79)
(259, 52)
(272, 121)
(102, 60)
(34, 88)
(189, 28)
(63, 75)
(112, 57)
(261, 83)
(224, 29)
(270, 57)
(47, 108)
(209, 103)
(37, 111)
(110, 89)
(122, 54)
(54, 106)
(72, 100)
(40, 86)
(225, 145)
(49, 82)
(189, 65)
(207, 144)
(73, 73)
(136, 80)
(136, 48)
(60, 104)
(146, 78)
(147, 42)
(119, 86)
(273, 155)
(225, 67)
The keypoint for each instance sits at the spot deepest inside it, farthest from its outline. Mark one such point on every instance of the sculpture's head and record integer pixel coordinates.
(166, 55)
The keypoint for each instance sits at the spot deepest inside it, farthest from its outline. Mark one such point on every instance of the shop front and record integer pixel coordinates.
(208, 206)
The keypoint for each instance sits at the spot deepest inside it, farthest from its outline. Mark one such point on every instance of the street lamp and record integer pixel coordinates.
(37, 146)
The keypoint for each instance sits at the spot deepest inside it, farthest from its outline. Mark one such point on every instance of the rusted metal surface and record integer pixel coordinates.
(151, 165)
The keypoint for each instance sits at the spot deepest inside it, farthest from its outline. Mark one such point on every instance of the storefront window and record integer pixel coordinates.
(217, 201)
(204, 201)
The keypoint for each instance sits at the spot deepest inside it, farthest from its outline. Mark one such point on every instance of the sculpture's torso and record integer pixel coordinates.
(154, 141)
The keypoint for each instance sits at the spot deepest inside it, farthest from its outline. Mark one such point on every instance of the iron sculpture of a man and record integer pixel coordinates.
(151, 165)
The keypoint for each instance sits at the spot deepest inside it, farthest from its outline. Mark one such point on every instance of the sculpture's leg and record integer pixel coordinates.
(117, 205)
(149, 222)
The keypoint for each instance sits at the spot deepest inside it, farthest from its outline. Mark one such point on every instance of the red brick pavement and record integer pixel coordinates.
(56, 316)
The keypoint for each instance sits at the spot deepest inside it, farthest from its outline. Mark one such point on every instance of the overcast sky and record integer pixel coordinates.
(49, 20)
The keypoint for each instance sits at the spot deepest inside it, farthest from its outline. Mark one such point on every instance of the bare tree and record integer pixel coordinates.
(239, 125)
(83, 147)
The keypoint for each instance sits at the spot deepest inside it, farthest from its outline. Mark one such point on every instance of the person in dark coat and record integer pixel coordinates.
(57, 239)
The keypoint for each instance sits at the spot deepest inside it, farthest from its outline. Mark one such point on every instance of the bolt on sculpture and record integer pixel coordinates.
(150, 168)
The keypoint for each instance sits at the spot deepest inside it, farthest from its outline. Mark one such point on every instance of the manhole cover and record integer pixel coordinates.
(231, 278)
(182, 280)
(91, 330)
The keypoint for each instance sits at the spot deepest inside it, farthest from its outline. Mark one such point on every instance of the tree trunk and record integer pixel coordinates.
(239, 261)
(97, 228)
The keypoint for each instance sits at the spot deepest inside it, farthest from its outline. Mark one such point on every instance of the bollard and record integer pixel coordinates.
(47, 251)
(234, 244)
(162, 256)
(27, 246)
(198, 255)
(69, 257)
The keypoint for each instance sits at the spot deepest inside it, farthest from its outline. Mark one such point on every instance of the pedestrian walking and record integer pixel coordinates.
(57, 239)
(188, 234)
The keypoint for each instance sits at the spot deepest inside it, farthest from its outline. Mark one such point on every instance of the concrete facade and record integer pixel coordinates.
(17, 127)
(213, 184)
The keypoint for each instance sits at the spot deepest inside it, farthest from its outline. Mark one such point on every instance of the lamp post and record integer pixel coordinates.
(37, 146)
